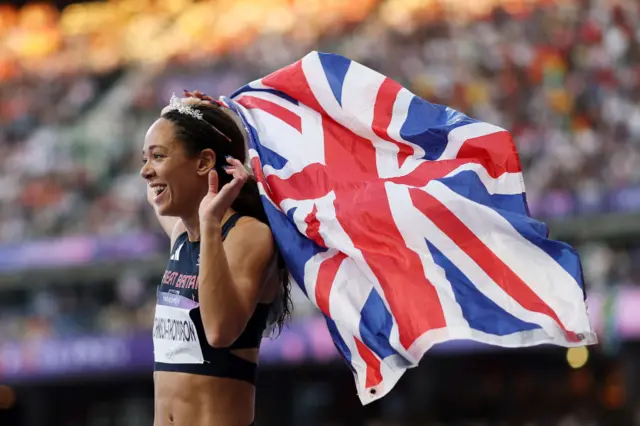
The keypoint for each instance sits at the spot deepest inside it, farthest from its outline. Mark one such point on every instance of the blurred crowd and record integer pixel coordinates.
(126, 304)
(42, 39)
(80, 86)
(565, 81)
(563, 77)
(77, 309)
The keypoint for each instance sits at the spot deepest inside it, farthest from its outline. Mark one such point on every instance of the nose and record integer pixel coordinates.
(147, 171)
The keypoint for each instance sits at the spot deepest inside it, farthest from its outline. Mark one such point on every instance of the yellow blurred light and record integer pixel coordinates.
(133, 6)
(87, 18)
(175, 6)
(279, 20)
(577, 357)
(34, 16)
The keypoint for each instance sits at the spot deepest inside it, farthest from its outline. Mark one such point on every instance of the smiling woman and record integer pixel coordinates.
(224, 283)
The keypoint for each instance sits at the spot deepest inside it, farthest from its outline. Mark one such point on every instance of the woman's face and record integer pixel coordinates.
(175, 178)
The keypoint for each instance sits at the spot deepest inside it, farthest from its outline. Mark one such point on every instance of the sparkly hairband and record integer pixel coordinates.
(176, 104)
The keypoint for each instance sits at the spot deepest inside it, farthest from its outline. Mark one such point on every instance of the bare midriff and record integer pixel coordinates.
(183, 399)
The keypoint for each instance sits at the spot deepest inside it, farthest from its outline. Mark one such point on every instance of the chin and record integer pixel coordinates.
(166, 210)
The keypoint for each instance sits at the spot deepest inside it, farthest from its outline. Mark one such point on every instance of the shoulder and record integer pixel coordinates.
(251, 237)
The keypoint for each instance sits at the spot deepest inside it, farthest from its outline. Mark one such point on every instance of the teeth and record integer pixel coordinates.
(158, 189)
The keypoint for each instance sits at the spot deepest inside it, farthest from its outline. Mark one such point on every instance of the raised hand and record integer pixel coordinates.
(202, 97)
(218, 200)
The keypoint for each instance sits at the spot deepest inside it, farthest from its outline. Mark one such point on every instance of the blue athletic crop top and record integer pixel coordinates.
(179, 341)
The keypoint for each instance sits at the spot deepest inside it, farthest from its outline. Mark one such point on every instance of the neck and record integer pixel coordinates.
(192, 224)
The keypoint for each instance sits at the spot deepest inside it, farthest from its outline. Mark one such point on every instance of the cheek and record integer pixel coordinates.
(182, 181)
(172, 171)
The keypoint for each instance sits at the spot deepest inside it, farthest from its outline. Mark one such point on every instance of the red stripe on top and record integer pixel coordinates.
(256, 165)
(427, 171)
(341, 144)
(324, 282)
(312, 182)
(496, 152)
(313, 227)
(284, 114)
(486, 259)
(350, 158)
(383, 113)
(412, 299)
(292, 81)
(374, 375)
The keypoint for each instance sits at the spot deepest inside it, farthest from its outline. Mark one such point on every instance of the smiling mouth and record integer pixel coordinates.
(158, 190)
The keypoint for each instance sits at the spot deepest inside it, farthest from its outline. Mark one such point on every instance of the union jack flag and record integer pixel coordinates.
(404, 222)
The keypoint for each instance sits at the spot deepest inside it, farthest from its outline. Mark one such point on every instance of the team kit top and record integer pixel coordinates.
(179, 340)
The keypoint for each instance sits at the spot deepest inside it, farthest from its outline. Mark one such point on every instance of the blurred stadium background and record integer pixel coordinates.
(81, 254)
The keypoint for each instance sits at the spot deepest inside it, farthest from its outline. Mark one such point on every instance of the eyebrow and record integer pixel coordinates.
(152, 147)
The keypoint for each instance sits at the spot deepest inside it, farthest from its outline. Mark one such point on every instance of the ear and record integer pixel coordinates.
(206, 161)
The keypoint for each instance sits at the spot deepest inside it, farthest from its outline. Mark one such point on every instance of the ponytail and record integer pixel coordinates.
(248, 202)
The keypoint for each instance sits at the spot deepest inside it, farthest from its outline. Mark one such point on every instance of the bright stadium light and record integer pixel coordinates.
(577, 357)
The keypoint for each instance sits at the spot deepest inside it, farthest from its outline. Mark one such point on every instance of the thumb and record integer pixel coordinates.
(213, 181)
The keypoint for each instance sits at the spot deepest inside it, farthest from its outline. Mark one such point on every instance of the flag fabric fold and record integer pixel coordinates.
(403, 221)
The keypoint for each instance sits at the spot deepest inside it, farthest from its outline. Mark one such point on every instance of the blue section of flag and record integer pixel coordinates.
(335, 68)
(428, 126)
(375, 326)
(339, 342)
(271, 158)
(267, 156)
(513, 209)
(481, 312)
(248, 88)
(294, 247)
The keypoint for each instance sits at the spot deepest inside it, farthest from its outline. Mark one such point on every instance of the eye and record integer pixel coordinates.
(157, 156)
(144, 160)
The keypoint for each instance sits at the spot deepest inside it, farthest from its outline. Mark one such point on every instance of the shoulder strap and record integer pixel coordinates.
(229, 224)
(179, 240)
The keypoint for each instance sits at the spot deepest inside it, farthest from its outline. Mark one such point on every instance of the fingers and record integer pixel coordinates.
(199, 95)
(236, 169)
(231, 190)
(213, 181)
(240, 176)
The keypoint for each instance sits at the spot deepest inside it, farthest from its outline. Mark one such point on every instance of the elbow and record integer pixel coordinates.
(223, 331)
(217, 338)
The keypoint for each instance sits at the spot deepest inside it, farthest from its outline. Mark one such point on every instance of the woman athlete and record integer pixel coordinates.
(224, 284)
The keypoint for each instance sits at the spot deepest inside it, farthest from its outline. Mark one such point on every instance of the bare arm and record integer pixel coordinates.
(231, 277)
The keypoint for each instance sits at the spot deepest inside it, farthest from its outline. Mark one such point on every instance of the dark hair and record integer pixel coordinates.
(209, 133)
